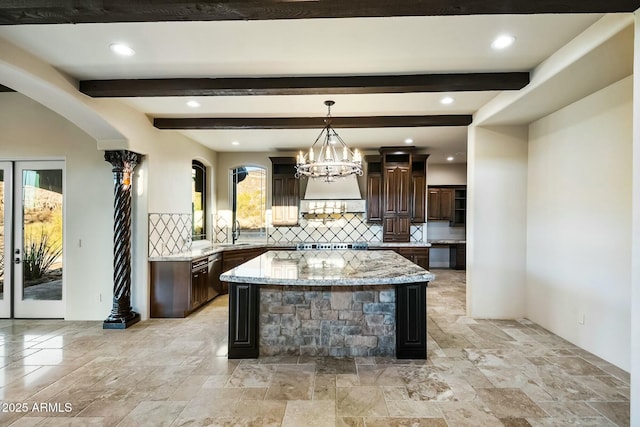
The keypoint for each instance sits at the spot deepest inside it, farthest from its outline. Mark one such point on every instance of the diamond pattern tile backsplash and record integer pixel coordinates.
(333, 228)
(169, 233)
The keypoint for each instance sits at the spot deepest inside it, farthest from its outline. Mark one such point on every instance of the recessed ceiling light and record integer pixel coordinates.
(446, 100)
(235, 143)
(122, 49)
(503, 41)
(193, 104)
(450, 158)
(408, 141)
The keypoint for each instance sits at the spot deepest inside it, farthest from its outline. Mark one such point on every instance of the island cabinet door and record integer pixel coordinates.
(243, 321)
(411, 321)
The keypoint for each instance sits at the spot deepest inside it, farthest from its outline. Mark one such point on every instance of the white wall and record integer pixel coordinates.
(447, 174)
(162, 180)
(31, 131)
(635, 250)
(162, 183)
(496, 221)
(579, 222)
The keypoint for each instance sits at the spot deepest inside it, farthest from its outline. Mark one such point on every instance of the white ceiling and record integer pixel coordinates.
(353, 46)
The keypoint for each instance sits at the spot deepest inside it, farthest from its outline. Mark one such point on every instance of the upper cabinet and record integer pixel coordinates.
(459, 206)
(418, 188)
(396, 186)
(440, 203)
(285, 196)
(448, 204)
(374, 188)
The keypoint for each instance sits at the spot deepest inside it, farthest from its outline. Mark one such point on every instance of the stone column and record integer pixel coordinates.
(123, 162)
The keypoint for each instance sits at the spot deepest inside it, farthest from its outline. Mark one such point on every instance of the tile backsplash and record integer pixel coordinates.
(332, 228)
(169, 233)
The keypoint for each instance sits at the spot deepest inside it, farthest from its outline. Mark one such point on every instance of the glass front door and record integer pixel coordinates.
(6, 188)
(33, 248)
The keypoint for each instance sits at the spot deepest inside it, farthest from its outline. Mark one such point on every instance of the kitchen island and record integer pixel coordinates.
(328, 303)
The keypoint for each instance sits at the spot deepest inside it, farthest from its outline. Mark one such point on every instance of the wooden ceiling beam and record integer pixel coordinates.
(209, 123)
(304, 85)
(14, 12)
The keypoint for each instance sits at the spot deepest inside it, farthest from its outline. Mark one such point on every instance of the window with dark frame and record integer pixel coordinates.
(199, 200)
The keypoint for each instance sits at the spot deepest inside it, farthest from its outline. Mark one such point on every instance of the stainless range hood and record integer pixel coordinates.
(341, 196)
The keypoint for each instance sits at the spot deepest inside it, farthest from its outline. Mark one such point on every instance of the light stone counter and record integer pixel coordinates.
(222, 247)
(328, 268)
(213, 249)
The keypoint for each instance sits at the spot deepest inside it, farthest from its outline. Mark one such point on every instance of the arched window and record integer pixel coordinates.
(199, 200)
(248, 201)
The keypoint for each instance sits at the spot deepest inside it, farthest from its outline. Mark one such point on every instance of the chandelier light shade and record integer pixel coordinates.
(329, 157)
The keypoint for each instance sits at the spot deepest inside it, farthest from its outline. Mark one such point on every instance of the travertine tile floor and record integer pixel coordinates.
(175, 373)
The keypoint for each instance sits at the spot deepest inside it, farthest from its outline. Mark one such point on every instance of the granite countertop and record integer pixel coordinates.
(221, 247)
(209, 250)
(328, 268)
(447, 242)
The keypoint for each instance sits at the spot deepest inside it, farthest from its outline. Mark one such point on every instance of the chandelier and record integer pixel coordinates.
(329, 157)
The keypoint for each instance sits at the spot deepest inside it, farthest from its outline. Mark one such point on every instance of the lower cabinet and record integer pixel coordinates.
(417, 255)
(458, 256)
(199, 283)
(233, 258)
(180, 287)
(214, 285)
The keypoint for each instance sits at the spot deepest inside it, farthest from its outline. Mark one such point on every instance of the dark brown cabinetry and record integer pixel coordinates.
(403, 191)
(440, 204)
(199, 282)
(459, 207)
(285, 192)
(448, 204)
(418, 188)
(390, 193)
(244, 317)
(458, 256)
(457, 253)
(396, 217)
(417, 255)
(374, 188)
(180, 287)
(214, 286)
(411, 321)
(233, 258)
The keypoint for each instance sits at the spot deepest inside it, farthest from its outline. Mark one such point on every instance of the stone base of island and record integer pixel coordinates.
(328, 303)
(327, 321)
